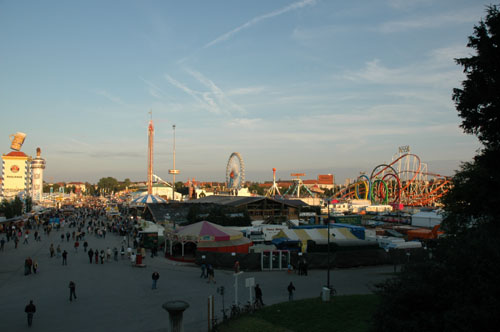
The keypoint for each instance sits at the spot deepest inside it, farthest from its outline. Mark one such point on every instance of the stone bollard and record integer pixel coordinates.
(175, 311)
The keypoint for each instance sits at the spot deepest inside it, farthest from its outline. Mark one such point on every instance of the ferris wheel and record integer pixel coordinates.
(235, 172)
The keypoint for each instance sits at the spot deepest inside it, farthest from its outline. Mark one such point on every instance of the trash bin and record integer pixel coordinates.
(325, 294)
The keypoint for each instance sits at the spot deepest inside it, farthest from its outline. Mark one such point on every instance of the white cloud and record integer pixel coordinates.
(255, 20)
(111, 97)
(223, 102)
(244, 123)
(245, 91)
(426, 22)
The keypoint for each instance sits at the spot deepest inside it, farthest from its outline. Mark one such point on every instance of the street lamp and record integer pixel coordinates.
(328, 231)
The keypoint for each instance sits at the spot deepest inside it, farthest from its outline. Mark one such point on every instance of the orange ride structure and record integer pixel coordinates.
(405, 181)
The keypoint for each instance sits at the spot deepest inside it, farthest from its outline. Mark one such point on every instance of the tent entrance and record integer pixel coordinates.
(274, 260)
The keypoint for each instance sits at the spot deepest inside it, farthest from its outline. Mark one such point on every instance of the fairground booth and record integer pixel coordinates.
(183, 243)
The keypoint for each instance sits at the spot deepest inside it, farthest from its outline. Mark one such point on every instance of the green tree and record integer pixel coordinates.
(478, 100)
(458, 289)
(108, 184)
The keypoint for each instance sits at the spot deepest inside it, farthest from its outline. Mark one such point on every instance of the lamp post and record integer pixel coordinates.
(328, 231)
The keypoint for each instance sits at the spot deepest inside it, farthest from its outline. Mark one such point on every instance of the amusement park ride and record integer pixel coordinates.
(403, 181)
(235, 172)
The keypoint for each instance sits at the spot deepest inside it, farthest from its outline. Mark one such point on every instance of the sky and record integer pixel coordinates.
(312, 86)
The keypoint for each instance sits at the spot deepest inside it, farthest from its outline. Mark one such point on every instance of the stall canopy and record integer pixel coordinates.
(318, 235)
(213, 237)
(147, 199)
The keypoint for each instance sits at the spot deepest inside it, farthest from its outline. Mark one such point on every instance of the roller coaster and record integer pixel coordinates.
(405, 180)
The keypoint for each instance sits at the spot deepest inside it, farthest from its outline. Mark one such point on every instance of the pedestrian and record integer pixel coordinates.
(25, 238)
(108, 254)
(91, 255)
(51, 249)
(65, 257)
(30, 309)
(77, 244)
(30, 265)
(211, 274)
(102, 256)
(258, 295)
(236, 267)
(115, 254)
(203, 271)
(122, 252)
(96, 255)
(58, 250)
(155, 278)
(2, 243)
(85, 245)
(62, 237)
(35, 267)
(26, 267)
(291, 289)
(305, 267)
(16, 241)
(72, 293)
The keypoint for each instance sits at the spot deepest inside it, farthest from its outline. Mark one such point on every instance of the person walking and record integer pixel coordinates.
(91, 255)
(102, 256)
(115, 254)
(291, 289)
(77, 244)
(30, 309)
(155, 278)
(35, 266)
(58, 250)
(72, 289)
(203, 271)
(25, 238)
(108, 254)
(122, 252)
(51, 249)
(96, 255)
(258, 295)
(236, 267)
(16, 241)
(2, 243)
(211, 274)
(85, 245)
(65, 257)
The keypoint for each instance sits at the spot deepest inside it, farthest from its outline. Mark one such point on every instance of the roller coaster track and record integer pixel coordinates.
(410, 185)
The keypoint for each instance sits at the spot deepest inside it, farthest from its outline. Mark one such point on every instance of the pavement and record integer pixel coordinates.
(115, 296)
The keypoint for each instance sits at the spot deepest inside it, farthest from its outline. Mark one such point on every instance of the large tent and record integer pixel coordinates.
(319, 235)
(147, 199)
(212, 237)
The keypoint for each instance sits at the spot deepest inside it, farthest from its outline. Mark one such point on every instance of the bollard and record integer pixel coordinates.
(175, 311)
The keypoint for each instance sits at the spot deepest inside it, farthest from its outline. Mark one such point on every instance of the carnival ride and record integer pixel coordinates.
(298, 184)
(235, 172)
(405, 180)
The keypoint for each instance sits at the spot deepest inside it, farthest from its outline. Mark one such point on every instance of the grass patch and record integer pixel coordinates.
(351, 313)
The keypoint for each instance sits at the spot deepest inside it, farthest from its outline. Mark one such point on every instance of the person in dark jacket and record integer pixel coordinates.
(72, 291)
(258, 295)
(155, 278)
(291, 289)
(30, 309)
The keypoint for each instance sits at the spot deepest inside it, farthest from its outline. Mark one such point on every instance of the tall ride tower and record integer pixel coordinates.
(151, 133)
(37, 167)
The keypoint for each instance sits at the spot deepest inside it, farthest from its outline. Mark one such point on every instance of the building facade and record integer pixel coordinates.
(16, 171)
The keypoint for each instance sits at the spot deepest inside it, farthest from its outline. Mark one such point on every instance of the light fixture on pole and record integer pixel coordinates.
(173, 171)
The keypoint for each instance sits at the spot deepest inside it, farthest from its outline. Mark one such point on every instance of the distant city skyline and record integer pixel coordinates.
(303, 86)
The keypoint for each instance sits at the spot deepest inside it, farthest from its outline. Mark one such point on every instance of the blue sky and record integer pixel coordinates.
(303, 86)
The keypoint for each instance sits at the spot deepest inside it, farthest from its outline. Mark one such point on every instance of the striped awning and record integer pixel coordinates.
(147, 199)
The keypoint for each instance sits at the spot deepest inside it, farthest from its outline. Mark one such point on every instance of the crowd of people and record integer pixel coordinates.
(84, 228)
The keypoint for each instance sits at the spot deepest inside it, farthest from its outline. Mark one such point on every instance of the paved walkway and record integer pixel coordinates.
(115, 296)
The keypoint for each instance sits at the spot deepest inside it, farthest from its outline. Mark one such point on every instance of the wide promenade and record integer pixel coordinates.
(115, 296)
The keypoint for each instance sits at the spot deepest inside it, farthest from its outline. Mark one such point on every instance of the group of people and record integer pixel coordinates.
(29, 266)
